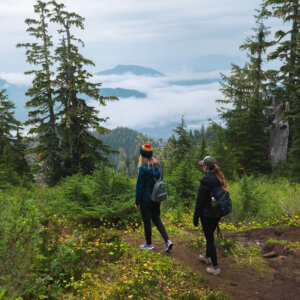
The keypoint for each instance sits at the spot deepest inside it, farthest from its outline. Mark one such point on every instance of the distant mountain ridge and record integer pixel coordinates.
(121, 93)
(135, 70)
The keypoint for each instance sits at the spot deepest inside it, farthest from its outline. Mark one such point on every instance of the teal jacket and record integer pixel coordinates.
(145, 183)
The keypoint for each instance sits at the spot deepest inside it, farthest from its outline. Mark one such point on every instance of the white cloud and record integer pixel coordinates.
(164, 103)
(17, 78)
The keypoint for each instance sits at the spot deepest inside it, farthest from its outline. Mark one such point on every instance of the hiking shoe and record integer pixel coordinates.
(213, 271)
(169, 246)
(204, 259)
(147, 247)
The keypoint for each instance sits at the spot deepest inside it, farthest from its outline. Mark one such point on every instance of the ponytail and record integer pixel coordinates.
(221, 178)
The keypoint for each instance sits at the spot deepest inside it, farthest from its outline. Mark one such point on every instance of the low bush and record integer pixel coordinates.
(70, 254)
(19, 243)
(263, 199)
(105, 195)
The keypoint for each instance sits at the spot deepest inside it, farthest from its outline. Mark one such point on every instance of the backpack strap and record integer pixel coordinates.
(160, 172)
(219, 234)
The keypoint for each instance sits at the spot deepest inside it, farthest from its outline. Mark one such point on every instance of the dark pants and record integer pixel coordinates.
(151, 211)
(209, 225)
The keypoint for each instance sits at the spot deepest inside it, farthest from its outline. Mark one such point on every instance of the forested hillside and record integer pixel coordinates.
(68, 226)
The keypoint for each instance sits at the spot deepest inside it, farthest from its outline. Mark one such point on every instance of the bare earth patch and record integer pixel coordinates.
(280, 280)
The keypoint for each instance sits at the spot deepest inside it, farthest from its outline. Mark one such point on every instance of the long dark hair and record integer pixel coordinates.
(216, 170)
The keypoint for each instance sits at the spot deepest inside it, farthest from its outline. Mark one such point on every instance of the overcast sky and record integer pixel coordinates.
(183, 39)
(166, 35)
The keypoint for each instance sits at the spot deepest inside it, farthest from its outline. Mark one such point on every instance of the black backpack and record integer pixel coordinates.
(220, 202)
(159, 192)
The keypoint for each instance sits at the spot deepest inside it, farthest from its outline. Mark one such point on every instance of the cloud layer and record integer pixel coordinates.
(164, 104)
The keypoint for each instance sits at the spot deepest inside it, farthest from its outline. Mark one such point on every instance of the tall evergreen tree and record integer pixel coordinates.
(181, 143)
(180, 167)
(79, 148)
(246, 121)
(42, 117)
(288, 51)
(202, 149)
(223, 152)
(236, 89)
(258, 141)
(8, 124)
(13, 166)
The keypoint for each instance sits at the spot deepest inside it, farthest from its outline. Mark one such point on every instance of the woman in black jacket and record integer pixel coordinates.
(213, 178)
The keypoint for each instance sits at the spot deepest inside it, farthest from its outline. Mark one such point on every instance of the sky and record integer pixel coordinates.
(187, 39)
(167, 35)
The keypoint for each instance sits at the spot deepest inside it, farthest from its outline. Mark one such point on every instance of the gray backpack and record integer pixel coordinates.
(159, 193)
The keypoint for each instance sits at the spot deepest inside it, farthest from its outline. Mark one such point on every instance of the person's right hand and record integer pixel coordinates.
(136, 206)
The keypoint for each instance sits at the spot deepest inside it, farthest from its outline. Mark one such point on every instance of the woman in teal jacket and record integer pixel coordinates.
(148, 169)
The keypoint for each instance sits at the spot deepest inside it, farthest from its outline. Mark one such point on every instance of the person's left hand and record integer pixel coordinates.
(136, 206)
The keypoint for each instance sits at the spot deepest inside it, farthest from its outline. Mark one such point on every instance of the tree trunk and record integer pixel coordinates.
(279, 135)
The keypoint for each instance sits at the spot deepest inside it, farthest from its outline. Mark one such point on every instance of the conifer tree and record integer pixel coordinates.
(80, 150)
(236, 89)
(258, 140)
(287, 43)
(246, 121)
(181, 169)
(21, 165)
(13, 166)
(221, 150)
(202, 148)
(42, 116)
(199, 145)
(8, 124)
(181, 143)
(183, 182)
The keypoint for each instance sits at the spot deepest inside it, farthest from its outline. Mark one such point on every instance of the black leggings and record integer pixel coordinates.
(151, 211)
(209, 225)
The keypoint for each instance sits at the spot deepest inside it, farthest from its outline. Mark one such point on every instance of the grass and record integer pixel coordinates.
(142, 275)
(99, 264)
(186, 222)
(148, 275)
(76, 261)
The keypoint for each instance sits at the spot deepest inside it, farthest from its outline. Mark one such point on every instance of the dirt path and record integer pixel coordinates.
(280, 281)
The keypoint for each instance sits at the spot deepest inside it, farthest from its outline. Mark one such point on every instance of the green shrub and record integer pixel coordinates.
(19, 243)
(263, 198)
(105, 194)
(68, 255)
(226, 246)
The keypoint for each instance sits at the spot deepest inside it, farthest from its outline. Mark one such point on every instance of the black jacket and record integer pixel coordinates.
(203, 206)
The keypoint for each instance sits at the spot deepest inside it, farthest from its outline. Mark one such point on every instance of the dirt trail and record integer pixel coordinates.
(280, 281)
